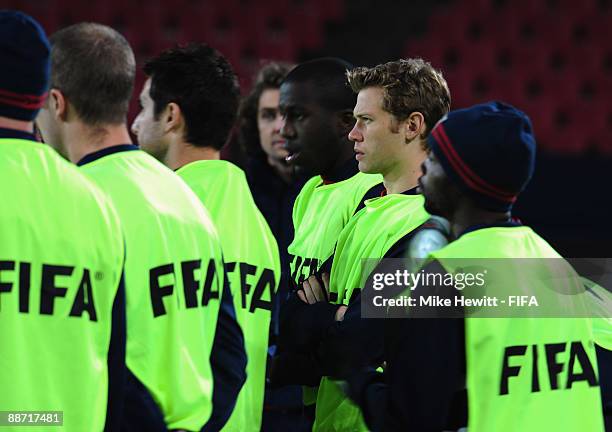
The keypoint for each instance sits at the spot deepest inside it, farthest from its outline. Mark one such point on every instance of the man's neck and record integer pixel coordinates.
(20, 125)
(337, 170)
(469, 216)
(181, 153)
(342, 171)
(82, 139)
(405, 173)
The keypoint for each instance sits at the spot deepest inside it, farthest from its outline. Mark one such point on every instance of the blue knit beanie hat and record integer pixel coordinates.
(487, 149)
(24, 75)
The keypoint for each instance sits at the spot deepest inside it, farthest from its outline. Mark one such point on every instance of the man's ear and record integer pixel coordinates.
(58, 105)
(414, 126)
(173, 118)
(345, 122)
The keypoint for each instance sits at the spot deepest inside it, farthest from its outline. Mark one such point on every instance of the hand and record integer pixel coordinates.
(340, 313)
(312, 291)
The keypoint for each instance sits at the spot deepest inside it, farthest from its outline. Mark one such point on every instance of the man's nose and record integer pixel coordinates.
(286, 130)
(355, 135)
(278, 123)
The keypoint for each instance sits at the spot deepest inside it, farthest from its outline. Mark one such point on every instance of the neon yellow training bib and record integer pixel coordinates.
(525, 374)
(320, 212)
(173, 270)
(252, 261)
(368, 235)
(61, 259)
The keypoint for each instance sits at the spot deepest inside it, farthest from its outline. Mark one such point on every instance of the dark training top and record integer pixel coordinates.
(301, 324)
(388, 400)
(313, 344)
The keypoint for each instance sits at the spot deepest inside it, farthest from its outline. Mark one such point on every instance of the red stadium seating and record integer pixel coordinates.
(276, 28)
(553, 59)
(243, 30)
(539, 55)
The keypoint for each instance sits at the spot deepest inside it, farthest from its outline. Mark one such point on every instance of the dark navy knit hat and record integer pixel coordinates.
(489, 150)
(24, 75)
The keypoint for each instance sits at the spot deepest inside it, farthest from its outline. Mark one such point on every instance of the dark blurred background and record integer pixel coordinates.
(551, 58)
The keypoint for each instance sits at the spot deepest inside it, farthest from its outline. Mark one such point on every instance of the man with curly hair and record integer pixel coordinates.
(259, 119)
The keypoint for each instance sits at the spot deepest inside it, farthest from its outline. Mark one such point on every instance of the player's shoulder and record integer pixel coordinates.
(311, 183)
(95, 209)
(366, 181)
(308, 188)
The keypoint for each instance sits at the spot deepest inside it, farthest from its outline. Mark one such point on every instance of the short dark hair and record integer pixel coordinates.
(270, 76)
(202, 83)
(94, 67)
(409, 85)
(328, 76)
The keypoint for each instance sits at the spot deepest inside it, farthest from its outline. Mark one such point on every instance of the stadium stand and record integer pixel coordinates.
(244, 31)
(551, 58)
(548, 56)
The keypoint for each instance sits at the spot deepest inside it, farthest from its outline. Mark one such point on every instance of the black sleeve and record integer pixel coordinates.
(604, 360)
(422, 382)
(228, 361)
(116, 362)
(424, 378)
(302, 326)
(351, 343)
(374, 192)
(368, 390)
(141, 412)
(355, 342)
(292, 368)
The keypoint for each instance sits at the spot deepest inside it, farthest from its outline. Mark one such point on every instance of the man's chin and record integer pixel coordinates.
(434, 210)
(302, 170)
(302, 167)
(367, 169)
(280, 155)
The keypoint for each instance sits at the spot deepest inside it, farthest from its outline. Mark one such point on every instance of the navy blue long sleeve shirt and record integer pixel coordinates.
(228, 361)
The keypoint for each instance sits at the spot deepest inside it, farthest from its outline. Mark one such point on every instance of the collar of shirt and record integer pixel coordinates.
(412, 191)
(105, 152)
(510, 223)
(13, 133)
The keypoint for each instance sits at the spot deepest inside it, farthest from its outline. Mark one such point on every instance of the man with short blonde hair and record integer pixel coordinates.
(408, 85)
(398, 103)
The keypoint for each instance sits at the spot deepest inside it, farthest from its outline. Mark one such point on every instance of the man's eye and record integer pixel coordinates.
(268, 114)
